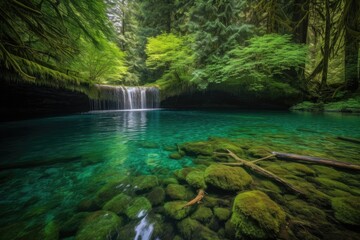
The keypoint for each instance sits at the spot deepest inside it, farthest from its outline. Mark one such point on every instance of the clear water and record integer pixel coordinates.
(87, 150)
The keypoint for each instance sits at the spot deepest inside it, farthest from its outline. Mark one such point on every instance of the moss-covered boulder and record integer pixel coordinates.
(347, 210)
(202, 214)
(256, 216)
(145, 183)
(222, 214)
(270, 186)
(118, 204)
(98, 226)
(175, 155)
(259, 151)
(299, 169)
(197, 148)
(70, 227)
(138, 206)
(181, 174)
(156, 196)
(196, 179)
(107, 192)
(227, 178)
(192, 229)
(176, 192)
(210, 201)
(306, 211)
(176, 210)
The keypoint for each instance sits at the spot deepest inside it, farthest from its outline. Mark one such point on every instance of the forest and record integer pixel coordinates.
(290, 51)
(179, 119)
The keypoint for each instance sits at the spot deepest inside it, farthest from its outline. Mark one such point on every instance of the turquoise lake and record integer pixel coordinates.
(49, 165)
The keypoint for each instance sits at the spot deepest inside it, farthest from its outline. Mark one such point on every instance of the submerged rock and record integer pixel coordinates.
(202, 214)
(197, 148)
(138, 206)
(145, 183)
(222, 214)
(70, 227)
(175, 155)
(196, 179)
(176, 209)
(227, 178)
(192, 229)
(118, 204)
(347, 210)
(182, 173)
(156, 196)
(176, 192)
(255, 215)
(99, 225)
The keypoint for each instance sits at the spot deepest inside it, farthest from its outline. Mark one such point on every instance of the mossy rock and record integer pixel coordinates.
(270, 186)
(276, 169)
(330, 185)
(210, 201)
(197, 148)
(327, 172)
(256, 215)
(137, 206)
(170, 148)
(147, 144)
(176, 210)
(227, 178)
(202, 214)
(118, 204)
(192, 229)
(299, 169)
(182, 173)
(99, 225)
(176, 192)
(224, 144)
(259, 151)
(347, 210)
(156, 196)
(175, 155)
(222, 214)
(145, 183)
(196, 179)
(230, 230)
(168, 181)
(70, 227)
(88, 205)
(107, 192)
(306, 211)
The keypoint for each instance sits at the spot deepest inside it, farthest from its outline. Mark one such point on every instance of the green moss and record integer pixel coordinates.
(136, 206)
(349, 105)
(156, 196)
(308, 106)
(256, 215)
(176, 209)
(118, 204)
(327, 172)
(210, 201)
(107, 192)
(222, 214)
(270, 186)
(306, 211)
(227, 178)
(259, 151)
(167, 181)
(224, 144)
(170, 148)
(145, 183)
(347, 210)
(196, 179)
(192, 229)
(99, 225)
(70, 227)
(197, 148)
(202, 214)
(331, 184)
(176, 192)
(299, 169)
(175, 155)
(182, 173)
(51, 231)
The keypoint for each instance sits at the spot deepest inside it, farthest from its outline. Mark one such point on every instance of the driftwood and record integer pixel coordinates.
(259, 170)
(353, 140)
(316, 160)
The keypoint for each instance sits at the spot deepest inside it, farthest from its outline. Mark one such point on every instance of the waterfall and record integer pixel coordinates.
(116, 97)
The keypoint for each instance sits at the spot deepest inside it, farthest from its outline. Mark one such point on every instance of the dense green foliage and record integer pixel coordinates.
(267, 48)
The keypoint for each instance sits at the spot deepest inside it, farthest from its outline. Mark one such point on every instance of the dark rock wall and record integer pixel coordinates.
(22, 101)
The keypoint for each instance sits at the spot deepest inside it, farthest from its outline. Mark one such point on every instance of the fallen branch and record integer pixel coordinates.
(353, 140)
(260, 171)
(316, 160)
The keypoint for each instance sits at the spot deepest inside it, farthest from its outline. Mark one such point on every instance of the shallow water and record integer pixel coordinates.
(78, 154)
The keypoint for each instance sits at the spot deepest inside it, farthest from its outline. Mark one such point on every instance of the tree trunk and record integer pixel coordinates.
(326, 48)
(352, 27)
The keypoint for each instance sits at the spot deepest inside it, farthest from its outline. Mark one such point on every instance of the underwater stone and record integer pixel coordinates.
(347, 210)
(176, 210)
(182, 173)
(227, 178)
(144, 183)
(167, 181)
(210, 201)
(99, 225)
(192, 229)
(256, 215)
(259, 151)
(175, 155)
(197, 148)
(270, 186)
(156, 196)
(202, 214)
(136, 206)
(118, 204)
(299, 169)
(196, 179)
(87, 205)
(176, 192)
(70, 227)
(222, 214)
(107, 192)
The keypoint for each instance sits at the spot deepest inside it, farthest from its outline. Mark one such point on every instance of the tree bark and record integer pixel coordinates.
(326, 48)
(352, 32)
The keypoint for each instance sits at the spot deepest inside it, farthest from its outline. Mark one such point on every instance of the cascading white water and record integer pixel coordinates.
(116, 97)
